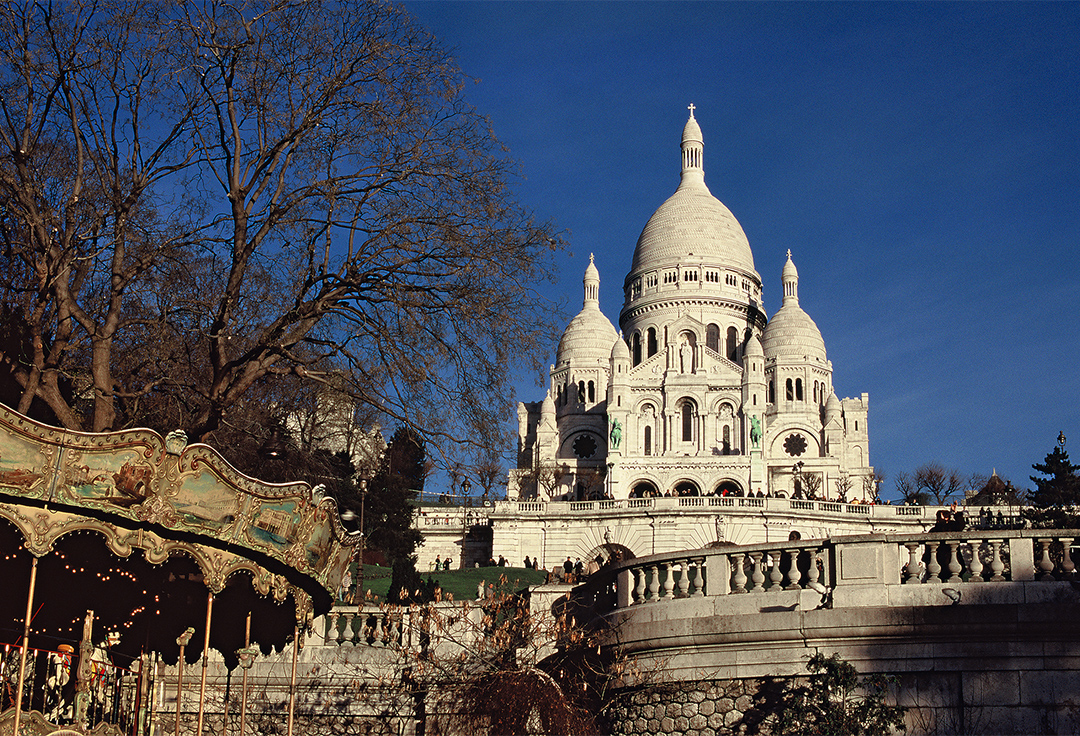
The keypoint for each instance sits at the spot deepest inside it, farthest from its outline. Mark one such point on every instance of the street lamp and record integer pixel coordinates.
(465, 486)
(796, 470)
(363, 542)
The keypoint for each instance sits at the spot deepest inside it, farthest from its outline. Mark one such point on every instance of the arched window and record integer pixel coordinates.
(648, 440)
(635, 348)
(727, 439)
(581, 391)
(651, 342)
(592, 393)
(815, 391)
(712, 338)
(687, 422)
(732, 343)
(790, 394)
(772, 391)
(558, 399)
(798, 389)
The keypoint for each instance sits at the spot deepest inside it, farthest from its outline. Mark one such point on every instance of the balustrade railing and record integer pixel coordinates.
(952, 558)
(776, 504)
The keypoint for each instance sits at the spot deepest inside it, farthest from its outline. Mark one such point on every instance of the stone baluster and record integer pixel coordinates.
(1046, 565)
(933, 567)
(333, 634)
(684, 579)
(776, 577)
(367, 628)
(699, 580)
(347, 627)
(794, 576)
(378, 631)
(669, 580)
(739, 580)
(954, 563)
(996, 565)
(758, 574)
(639, 585)
(654, 583)
(1068, 567)
(914, 567)
(812, 572)
(976, 565)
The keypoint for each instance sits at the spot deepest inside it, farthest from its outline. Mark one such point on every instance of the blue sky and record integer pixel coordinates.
(920, 160)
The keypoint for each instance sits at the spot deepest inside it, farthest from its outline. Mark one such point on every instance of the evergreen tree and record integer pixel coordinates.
(388, 514)
(1061, 487)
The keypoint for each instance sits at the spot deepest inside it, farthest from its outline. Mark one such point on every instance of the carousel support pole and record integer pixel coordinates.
(205, 664)
(25, 645)
(292, 679)
(244, 694)
(182, 640)
(85, 673)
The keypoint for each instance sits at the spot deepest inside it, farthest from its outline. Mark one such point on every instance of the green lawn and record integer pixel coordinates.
(461, 584)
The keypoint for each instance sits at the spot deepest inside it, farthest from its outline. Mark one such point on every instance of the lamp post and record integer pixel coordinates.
(465, 486)
(363, 541)
(796, 471)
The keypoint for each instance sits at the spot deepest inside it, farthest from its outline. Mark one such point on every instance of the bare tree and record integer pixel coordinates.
(909, 491)
(871, 486)
(938, 482)
(844, 485)
(811, 483)
(202, 203)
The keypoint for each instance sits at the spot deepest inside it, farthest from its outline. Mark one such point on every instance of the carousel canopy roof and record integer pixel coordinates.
(141, 529)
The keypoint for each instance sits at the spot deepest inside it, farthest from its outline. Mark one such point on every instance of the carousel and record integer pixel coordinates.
(126, 558)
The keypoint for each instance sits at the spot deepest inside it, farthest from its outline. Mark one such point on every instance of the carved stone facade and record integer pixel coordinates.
(701, 393)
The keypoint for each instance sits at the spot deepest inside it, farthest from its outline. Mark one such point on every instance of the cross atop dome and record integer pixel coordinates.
(691, 108)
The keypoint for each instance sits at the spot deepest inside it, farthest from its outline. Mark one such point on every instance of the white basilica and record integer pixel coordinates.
(701, 394)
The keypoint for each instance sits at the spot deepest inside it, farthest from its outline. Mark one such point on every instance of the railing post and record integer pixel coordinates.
(718, 574)
(954, 563)
(684, 579)
(775, 576)
(1068, 567)
(639, 587)
(1021, 557)
(654, 583)
(794, 575)
(933, 567)
(1046, 565)
(669, 580)
(914, 565)
(976, 565)
(740, 573)
(699, 582)
(757, 575)
(624, 588)
(996, 565)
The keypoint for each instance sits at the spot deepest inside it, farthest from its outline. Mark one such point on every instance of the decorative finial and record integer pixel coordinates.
(590, 258)
(691, 108)
(789, 253)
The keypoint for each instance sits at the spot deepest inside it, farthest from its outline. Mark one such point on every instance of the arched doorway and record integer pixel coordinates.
(686, 488)
(644, 489)
(728, 488)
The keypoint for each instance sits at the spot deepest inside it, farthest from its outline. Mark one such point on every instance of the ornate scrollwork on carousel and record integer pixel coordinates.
(139, 478)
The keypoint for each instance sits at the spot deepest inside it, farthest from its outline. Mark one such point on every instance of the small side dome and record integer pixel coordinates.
(753, 348)
(588, 339)
(791, 333)
(620, 351)
(547, 409)
(832, 408)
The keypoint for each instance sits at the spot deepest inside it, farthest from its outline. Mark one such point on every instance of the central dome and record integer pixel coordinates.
(692, 224)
